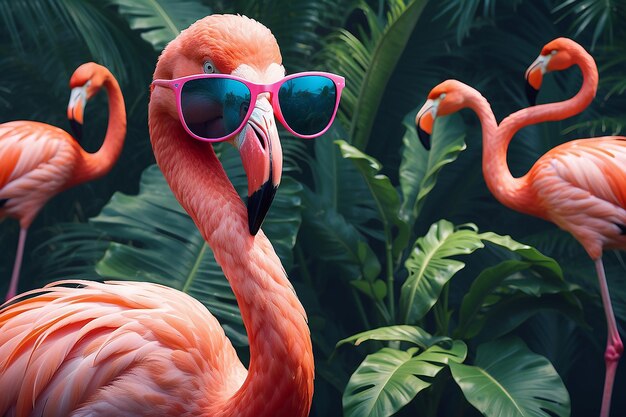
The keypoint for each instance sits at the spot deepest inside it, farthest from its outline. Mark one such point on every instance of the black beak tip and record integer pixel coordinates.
(423, 136)
(531, 94)
(77, 128)
(258, 205)
(254, 225)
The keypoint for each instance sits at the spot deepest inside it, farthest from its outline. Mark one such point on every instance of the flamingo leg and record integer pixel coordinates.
(16, 267)
(614, 345)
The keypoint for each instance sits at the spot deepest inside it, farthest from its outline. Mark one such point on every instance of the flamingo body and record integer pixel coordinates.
(118, 348)
(579, 185)
(38, 161)
(139, 349)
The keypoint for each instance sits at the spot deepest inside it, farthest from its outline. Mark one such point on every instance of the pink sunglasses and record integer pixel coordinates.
(215, 107)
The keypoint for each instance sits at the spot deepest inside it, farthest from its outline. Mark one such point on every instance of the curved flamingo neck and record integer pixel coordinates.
(559, 110)
(504, 187)
(95, 165)
(280, 375)
(514, 193)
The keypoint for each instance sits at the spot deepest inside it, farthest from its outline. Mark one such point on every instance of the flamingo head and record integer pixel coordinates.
(239, 46)
(556, 55)
(446, 98)
(84, 84)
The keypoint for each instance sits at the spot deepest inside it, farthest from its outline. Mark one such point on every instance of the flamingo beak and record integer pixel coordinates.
(424, 122)
(262, 158)
(534, 77)
(76, 109)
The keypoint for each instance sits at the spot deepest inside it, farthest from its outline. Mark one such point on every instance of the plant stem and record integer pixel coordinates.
(390, 280)
(382, 309)
(438, 320)
(360, 309)
(445, 295)
(436, 391)
(441, 311)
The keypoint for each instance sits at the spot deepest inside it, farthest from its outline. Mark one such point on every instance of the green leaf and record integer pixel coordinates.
(549, 266)
(500, 299)
(368, 61)
(368, 261)
(430, 266)
(338, 211)
(160, 21)
(480, 290)
(505, 282)
(420, 168)
(66, 254)
(337, 241)
(382, 191)
(510, 380)
(389, 379)
(403, 333)
(376, 290)
(509, 313)
(340, 187)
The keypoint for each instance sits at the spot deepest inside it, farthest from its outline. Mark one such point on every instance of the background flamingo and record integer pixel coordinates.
(138, 349)
(579, 185)
(39, 160)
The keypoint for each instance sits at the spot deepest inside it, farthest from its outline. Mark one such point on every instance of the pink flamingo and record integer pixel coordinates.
(140, 349)
(579, 185)
(40, 161)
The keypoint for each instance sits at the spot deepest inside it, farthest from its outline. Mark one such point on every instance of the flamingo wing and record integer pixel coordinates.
(37, 160)
(81, 348)
(581, 186)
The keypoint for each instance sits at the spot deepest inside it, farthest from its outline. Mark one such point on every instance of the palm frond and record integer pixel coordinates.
(466, 15)
(338, 186)
(599, 16)
(367, 60)
(611, 63)
(40, 25)
(299, 26)
(160, 21)
(602, 126)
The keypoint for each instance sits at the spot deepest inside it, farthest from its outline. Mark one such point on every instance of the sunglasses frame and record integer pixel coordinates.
(255, 90)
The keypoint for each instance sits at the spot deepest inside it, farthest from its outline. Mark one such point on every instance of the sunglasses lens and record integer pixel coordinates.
(308, 103)
(214, 107)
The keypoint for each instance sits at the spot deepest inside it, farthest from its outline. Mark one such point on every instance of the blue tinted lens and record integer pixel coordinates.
(214, 107)
(308, 103)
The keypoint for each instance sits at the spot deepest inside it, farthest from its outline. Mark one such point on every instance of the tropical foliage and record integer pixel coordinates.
(425, 296)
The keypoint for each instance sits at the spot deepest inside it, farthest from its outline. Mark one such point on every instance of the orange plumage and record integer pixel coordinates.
(39, 160)
(579, 185)
(139, 349)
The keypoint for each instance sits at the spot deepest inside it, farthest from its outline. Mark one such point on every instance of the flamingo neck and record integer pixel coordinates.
(504, 187)
(515, 193)
(280, 374)
(560, 110)
(95, 165)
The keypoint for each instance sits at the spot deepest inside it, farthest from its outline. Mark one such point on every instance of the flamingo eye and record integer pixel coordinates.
(208, 67)
(442, 96)
(553, 52)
